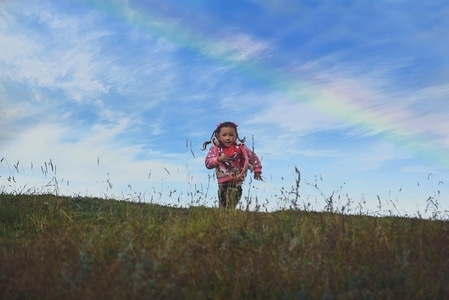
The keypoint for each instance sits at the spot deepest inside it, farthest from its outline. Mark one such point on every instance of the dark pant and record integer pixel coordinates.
(229, 195)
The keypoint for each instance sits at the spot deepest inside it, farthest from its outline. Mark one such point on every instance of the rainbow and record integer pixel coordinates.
(328, 101)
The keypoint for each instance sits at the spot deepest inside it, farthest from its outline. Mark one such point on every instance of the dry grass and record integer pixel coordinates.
(66, 248)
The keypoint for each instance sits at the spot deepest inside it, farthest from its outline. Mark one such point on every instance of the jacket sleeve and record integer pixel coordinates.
(254, 160)
(211, 160)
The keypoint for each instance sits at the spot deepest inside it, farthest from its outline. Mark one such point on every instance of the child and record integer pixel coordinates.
(231, 160)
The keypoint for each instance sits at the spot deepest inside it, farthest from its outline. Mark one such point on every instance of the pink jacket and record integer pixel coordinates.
(247, 160)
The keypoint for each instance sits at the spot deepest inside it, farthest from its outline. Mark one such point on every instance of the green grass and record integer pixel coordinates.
(67, 248)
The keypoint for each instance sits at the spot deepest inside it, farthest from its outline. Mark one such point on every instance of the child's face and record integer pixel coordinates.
(227, 136)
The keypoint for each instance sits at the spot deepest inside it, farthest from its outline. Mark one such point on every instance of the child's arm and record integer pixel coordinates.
(211, 160)
(255, 163)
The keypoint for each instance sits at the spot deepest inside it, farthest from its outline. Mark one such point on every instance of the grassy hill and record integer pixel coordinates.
(66, 248)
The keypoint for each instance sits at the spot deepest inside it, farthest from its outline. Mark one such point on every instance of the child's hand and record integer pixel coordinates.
(258, 176)
(224, 158)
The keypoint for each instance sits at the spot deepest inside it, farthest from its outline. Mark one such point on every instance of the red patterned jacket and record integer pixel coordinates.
(236, 170)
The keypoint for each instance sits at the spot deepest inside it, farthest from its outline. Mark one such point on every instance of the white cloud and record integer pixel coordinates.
(18, 47)
(90, 164)
(15, 116)
(238, 47)
(62, 56)
(294, 116)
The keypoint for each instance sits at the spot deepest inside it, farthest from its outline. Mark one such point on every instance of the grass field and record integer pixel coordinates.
(54, 247)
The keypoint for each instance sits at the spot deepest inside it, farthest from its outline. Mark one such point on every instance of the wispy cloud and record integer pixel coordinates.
(91, 160)
(238, 46)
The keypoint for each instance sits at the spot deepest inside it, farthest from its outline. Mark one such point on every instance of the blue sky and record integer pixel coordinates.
(115, 98)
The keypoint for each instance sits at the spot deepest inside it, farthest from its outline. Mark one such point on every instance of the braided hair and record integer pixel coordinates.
(214, 137)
